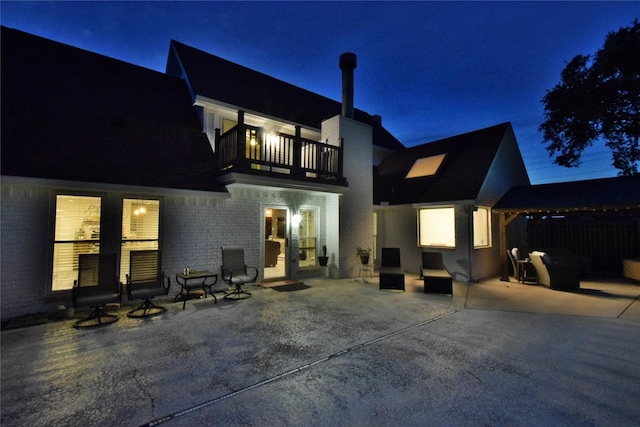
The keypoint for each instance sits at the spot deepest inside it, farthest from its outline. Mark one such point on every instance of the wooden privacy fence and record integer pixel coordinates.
(606, 239)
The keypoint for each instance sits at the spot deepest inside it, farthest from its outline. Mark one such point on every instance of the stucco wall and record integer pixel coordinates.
(398, 227)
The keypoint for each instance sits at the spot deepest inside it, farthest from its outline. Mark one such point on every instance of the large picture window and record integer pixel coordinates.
(140, 229)
(77, 231)
(437, 227)
(482, 228)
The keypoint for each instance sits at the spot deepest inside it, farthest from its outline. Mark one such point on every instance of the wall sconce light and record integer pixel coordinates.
(296, 219)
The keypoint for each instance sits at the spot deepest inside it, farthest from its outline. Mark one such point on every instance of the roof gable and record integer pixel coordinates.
(468, 159)
(70, 114)
(216, 78)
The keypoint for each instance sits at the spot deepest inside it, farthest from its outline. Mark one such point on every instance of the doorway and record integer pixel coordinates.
(275, 243)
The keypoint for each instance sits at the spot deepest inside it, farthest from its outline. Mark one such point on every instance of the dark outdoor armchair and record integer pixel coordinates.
(391, 274)
(97, 285)
(555, 275)
(146, 281)
(436, 278)
(236, 273)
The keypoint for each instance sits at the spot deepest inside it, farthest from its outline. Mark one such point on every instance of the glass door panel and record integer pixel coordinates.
(275, 243)
(308, 238)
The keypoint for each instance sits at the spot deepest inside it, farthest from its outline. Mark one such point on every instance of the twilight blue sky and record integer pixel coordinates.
(430, 69)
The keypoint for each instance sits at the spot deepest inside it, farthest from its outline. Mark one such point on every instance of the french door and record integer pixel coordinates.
(276, 239)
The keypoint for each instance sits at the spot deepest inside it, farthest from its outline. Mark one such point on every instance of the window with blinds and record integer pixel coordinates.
(140, 229)
(77, 231)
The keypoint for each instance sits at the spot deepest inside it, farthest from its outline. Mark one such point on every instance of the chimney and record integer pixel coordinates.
(347, 65)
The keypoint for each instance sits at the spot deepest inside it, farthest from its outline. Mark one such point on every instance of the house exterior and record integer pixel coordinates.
(103, 156)
(439, 197)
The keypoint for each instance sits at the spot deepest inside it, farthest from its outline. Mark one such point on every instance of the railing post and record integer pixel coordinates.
(216, 145)
(297, 153)
(242, 137)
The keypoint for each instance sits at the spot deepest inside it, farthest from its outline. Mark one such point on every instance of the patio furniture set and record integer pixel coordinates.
(436, 278)
(98, 285)
(556, 268)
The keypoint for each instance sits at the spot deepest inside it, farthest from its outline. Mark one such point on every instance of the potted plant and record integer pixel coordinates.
(363, 254)
(324, 258)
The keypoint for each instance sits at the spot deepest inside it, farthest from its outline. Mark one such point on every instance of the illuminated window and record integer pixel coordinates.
(437, 227)
(140, 229)
(77, 232)
(427, 166)
(482, 228)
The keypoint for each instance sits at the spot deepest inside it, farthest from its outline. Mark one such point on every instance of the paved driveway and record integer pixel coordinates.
(340, 353)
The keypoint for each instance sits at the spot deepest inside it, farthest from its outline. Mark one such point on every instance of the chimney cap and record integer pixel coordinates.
(348, 61)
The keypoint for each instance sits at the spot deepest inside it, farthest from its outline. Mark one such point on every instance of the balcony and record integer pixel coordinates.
(253, 150)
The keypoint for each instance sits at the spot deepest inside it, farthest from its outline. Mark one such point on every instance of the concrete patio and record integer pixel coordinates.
(341, 353)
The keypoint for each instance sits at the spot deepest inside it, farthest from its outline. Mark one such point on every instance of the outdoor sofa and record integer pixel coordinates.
(555, 274)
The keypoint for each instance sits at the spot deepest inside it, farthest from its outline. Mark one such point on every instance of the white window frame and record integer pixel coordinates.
(482, 235)
(130, 241)
(312, 250)
(77, 233)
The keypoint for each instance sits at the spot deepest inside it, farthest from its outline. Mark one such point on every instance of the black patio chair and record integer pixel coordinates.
(236, 273)
(96, 286)
(437, 279)
(391, 274)
(146, 281)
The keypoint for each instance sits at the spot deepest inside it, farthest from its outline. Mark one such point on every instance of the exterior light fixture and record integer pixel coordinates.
(296, 219)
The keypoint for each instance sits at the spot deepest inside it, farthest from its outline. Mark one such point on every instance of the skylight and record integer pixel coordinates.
(426, 166)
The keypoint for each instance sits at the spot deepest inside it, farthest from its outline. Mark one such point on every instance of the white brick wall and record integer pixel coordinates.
(194, 227)
(24, 230)
(356, 205)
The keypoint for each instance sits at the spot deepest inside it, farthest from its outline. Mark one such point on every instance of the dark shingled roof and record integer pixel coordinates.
(469, 157)
(70, 114)
(216, 78)
(607, 193)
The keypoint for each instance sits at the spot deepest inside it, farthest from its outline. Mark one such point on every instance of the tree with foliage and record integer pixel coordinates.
(598, 98)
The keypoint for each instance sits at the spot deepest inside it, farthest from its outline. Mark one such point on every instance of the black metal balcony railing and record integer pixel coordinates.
(256, 151)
